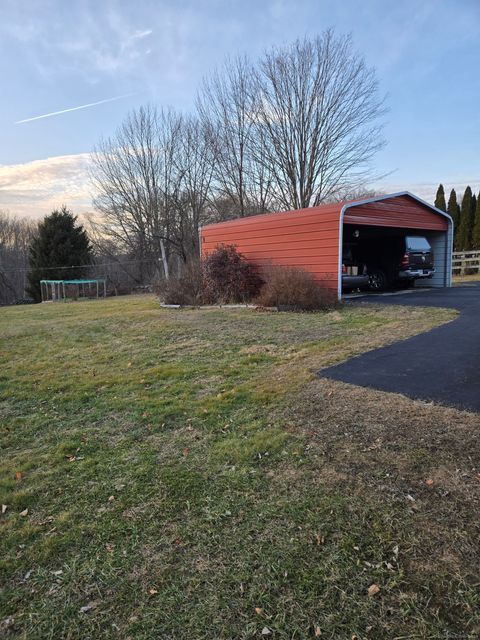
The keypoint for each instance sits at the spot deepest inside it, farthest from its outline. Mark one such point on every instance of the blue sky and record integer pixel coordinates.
(56, 55)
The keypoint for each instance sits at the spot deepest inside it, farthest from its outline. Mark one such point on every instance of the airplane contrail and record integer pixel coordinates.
(83, 106)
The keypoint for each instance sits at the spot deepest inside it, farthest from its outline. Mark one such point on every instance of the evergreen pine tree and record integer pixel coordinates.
(465, 227)
(476, 227)
(453, 211)
(59, 243)
(473, 209)
(440, 198)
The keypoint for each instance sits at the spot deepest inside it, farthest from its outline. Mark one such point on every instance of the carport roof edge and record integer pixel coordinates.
(341, 207)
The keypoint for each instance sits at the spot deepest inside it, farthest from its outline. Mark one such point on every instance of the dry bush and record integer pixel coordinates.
(228, 277)
(224, 276)
(293, 288)
(185, 289)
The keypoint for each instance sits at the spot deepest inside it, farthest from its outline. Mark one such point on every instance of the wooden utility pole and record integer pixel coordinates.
(164, 259)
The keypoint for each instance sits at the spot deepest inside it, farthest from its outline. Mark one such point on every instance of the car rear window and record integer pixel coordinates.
(417, 243)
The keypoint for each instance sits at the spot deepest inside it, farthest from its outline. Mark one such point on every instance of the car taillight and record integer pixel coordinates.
(405, 261)
(344, 269)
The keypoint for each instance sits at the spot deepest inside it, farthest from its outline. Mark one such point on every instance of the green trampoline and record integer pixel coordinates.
(78, 289)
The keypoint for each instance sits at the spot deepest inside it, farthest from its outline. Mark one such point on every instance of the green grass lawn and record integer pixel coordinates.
(183, 474)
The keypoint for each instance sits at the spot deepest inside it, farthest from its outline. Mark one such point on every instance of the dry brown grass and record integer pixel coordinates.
(470, 278)
(386, 449)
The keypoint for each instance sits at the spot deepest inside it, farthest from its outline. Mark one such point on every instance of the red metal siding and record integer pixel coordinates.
(306, 238)
(398, 211)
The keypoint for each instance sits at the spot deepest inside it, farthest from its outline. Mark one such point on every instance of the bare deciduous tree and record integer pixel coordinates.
(16, 235)
(194, 167)
(227, 106)
(152, 181)
(317, 123)
(132, 178)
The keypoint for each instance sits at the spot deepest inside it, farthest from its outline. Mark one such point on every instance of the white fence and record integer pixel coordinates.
(466, 262)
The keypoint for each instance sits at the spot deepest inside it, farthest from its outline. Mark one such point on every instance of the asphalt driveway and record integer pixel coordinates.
(442, 365)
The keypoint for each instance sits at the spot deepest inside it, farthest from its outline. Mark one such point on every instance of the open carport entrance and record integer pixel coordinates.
(379, 251)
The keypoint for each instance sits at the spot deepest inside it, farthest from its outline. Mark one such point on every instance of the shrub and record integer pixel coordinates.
(292, 288)
(185, 289)
(228, 277)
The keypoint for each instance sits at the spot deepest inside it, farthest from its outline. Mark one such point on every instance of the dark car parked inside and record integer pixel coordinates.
(407, 259)
(385, 258)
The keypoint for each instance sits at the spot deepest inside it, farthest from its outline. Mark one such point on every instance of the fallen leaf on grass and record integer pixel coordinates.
(7, 623)
(58, 572)
(4, 508)
(111, 498)
(318, 632)
(152, 592)
(373, 589)
(429, 482)
(266, 631)
(88, 607)
(24, 512)
(110, 547)
(258, 610)
(18, 475)
(320, 539)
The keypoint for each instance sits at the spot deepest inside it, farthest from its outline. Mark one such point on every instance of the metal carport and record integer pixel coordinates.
(312, 238)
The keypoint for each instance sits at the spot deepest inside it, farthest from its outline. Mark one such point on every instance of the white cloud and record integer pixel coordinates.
(34, 189)
(88, 41)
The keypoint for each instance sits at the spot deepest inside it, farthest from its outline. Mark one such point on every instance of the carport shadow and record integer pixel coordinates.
(441, 365)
